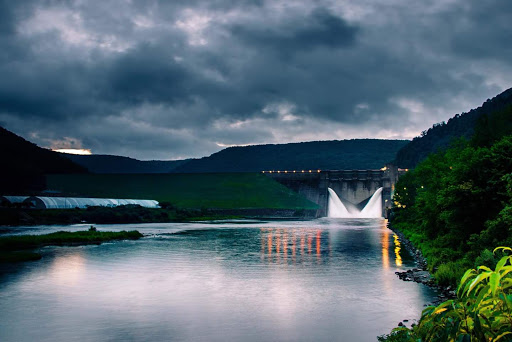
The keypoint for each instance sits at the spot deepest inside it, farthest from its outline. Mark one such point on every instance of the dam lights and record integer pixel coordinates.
(293, 171)
(302, 171)
(278, 171)
(318, 171)
(262, 171)
(309, 171)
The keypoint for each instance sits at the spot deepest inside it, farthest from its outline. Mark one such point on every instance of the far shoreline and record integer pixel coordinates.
(14, 217)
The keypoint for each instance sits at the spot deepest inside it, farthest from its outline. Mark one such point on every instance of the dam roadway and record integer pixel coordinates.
(353, 187)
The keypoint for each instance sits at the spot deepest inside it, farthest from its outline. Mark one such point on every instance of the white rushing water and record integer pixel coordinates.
(335, 207)
(373, 208)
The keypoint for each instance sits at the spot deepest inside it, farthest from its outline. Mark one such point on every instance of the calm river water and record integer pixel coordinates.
(321, 280)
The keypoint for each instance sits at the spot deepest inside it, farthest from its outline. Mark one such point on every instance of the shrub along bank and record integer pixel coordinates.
(16, 248)
(482, 310)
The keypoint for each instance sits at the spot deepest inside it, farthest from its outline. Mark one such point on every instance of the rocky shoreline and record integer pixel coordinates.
(420, 274)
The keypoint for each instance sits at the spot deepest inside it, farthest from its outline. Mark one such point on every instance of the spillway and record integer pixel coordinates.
(373, 208)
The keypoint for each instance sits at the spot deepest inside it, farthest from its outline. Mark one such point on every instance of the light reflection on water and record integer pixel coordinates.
(322, 280)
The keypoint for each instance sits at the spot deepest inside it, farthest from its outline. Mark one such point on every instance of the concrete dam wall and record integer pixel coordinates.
(353, 187)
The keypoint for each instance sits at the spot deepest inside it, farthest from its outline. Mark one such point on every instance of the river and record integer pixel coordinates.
(320, 280)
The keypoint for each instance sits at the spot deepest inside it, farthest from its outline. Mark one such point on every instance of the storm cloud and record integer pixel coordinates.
(168, 80)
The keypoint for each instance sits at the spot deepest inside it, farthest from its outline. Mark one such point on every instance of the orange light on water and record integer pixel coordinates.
(269, 243)
(318, 236)
(398, 258)
(385, 247)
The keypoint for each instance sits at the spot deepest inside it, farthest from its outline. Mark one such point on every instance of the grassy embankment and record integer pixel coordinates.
(17, 248)
(185, 191)
(183, 197)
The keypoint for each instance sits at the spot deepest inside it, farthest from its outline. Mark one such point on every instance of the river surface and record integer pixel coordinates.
(321, 280)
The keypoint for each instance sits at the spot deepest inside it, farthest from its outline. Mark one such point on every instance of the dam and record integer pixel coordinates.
(353, 187)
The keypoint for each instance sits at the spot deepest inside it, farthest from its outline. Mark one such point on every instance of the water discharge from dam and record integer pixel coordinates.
(373, 208)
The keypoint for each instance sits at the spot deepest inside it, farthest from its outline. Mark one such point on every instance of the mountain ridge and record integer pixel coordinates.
(104, 163)
(25, 164)
(327, 154)
(441, 135)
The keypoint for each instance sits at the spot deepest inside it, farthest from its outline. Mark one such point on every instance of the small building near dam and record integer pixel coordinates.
(12, 201)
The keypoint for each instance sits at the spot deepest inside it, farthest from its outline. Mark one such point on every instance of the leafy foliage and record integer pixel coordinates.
(458, 203)
(482, 310)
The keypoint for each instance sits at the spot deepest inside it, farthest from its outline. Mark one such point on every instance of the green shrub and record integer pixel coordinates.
(486, 258)
(449, 273)
(482, 310)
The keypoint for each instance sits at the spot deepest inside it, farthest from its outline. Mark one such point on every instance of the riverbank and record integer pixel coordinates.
(420, 273)
(137, 214)
(19, 247)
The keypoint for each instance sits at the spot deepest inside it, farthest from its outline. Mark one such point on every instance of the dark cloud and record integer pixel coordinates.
(317, 29)
(162, 79)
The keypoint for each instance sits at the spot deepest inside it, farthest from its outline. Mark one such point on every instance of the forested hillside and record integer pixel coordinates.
(98, 163)
(24, 164)
(457, 204)
(324, 155)
(441, 135)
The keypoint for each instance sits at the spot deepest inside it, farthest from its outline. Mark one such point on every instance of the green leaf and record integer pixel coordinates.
(501, 335)
(464, 338)
(494, 282)
(502, 249)
(479, 299)
(477, 280)
(501, 263)
(506, 270)
(464, 278)
(485, 268)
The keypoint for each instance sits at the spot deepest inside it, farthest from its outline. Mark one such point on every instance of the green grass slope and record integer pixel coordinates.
(212, 190)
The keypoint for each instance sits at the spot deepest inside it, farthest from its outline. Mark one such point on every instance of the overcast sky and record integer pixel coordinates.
(185, 78)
